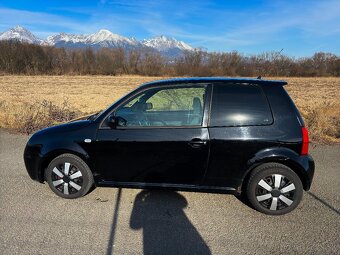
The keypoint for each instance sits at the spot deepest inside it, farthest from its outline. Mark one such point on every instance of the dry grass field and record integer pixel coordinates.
(28, 103)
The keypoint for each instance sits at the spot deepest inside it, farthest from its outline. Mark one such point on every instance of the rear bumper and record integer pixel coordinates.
(308, 166)
(32, 159)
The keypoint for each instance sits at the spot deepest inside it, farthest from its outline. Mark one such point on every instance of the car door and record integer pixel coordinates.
(160, 136)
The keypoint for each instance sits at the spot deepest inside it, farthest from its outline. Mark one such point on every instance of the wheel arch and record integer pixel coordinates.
(55, 153)
(282, 156)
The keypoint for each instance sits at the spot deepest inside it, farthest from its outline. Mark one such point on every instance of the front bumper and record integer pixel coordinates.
(32, 159)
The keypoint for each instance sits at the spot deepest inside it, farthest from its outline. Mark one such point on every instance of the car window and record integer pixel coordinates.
(239, 105)
(162, 107)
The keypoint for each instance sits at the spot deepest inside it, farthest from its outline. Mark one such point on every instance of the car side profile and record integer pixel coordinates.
(228, 135)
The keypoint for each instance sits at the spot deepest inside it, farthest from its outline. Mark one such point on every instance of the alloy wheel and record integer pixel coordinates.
(275, 192)
(67, 178)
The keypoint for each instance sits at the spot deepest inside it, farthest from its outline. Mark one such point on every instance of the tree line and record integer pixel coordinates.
(29, 59)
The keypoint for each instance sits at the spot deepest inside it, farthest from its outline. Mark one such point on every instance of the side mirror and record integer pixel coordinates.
(116, 121)
(148, 106)
(111, 121)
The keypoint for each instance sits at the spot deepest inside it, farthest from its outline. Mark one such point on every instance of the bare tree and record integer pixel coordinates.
(23, 58)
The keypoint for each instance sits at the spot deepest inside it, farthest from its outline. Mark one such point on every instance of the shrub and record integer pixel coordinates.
(29, 118)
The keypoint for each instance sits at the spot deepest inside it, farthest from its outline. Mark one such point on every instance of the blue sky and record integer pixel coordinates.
(299, 27)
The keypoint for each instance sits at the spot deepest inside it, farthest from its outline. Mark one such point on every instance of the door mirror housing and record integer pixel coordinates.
(148, 106)
(111, 121)
(116, 121)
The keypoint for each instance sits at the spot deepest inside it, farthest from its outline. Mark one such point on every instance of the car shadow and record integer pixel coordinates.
(323, 202)
(243, 199)
(166, 228)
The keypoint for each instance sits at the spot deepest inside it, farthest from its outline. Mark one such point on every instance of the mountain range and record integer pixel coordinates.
(166, 46)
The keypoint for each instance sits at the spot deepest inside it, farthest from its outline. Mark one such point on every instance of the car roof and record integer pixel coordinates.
(194, 80)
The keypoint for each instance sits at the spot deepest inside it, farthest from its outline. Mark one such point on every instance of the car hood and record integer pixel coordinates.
(63, 128)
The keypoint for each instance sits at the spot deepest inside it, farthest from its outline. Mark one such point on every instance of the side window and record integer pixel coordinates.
(239, 105)
(164, 107)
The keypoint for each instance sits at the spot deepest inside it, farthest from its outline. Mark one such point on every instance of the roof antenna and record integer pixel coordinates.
(259, 77)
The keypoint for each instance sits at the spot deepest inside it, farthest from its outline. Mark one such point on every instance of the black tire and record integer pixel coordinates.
(274, 189)
(69, 176)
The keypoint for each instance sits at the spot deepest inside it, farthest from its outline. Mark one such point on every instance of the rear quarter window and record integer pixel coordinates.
(239, 105)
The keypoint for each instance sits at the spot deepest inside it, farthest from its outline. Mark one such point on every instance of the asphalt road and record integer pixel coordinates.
(130, 221)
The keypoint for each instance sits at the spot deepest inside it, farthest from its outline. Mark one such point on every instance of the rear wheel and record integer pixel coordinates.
(69, 176)
(274, 189)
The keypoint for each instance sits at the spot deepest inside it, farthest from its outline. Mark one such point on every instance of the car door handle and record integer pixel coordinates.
(197, 143)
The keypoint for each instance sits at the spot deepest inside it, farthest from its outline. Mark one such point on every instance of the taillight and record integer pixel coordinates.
(305, 141)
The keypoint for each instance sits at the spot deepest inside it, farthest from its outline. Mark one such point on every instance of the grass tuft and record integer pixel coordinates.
(323, 123)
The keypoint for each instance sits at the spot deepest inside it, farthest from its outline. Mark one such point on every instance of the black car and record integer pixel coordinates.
(206, 134)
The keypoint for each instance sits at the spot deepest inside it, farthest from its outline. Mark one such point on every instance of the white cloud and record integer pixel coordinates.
(38, 20)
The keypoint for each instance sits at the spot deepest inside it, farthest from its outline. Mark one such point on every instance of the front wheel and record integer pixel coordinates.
(69, 176)
(274, 189)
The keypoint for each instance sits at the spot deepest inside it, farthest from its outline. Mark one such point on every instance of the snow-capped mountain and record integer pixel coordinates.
(20, 34)
(63, 37)
(106, 38)
(163, 43)
(169, 47)
(101, 39)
